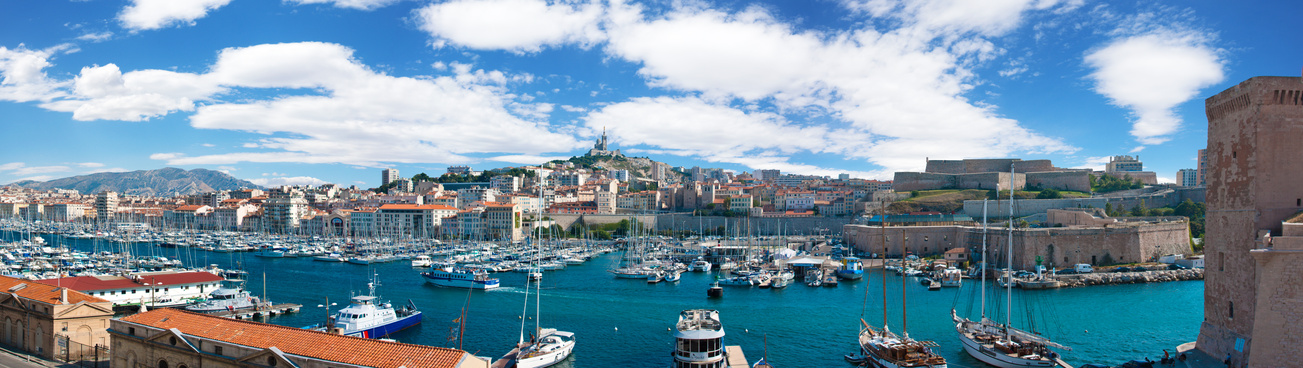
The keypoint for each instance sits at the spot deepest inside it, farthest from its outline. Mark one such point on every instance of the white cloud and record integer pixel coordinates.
(694, 127)
(1164, 180)
(108, 169)
(165, 156)
(96, 37)
(514, 25)
(1151, 74)
(1096, 163)
(294, 180)
(363, 117)
(990, 17)
(90, 164)
(105, 93)
(19, 168)
(895, 96)
(208, 145)
(155, 14)
(23, 78)
(526, 159)
(350, 4)
(37, 178)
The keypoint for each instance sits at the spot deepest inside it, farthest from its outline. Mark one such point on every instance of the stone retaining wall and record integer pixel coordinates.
(1109, 278)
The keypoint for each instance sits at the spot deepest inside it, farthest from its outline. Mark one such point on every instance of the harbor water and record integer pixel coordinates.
(627, 322)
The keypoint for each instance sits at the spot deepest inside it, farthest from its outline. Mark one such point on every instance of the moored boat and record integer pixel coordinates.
(450, 276)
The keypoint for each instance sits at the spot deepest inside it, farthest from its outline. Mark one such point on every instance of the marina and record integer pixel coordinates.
(1141, 319)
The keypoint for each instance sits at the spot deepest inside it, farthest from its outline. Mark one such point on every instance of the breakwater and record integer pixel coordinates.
(1110, 278)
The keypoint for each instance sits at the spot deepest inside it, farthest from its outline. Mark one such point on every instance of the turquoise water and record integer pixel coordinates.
(621, 322)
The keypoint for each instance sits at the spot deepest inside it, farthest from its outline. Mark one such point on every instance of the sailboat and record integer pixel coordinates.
(1002, 345)
(546, 346)
(883, 348)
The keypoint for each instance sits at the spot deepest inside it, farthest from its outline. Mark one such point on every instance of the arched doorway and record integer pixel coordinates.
(20, 334)
(162, 363)
(9, 331)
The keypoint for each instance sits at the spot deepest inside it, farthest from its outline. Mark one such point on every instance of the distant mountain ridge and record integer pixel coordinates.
(167, 181)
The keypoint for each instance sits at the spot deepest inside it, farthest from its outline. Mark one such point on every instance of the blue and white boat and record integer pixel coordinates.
(230, 297)
(367, 317)
(852, 269)
(451, 276)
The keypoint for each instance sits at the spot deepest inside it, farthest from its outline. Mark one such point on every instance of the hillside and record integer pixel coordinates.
(163, 182)
(639, 167)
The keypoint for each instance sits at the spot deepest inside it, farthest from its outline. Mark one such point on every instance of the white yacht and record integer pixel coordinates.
(230, 297)
(550, 347)
(952, 277)
(698, 340)
(699, 265)
(422, 261)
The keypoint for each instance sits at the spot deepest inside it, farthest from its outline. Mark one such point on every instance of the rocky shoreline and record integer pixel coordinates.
(1109, 278)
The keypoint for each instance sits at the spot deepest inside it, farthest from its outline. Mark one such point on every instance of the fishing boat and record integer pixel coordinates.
(952, 277)
(230, 297)
(1000, 344)
(852, 269)
(673, 277)
(368, 317)
(778, 283)
(452, 276)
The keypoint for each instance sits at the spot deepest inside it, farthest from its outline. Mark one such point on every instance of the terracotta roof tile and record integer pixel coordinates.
(320, 345)
(43, 292)
(94, 283)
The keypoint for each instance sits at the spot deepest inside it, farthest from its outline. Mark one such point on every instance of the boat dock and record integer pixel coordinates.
(509, 359)
(262, 310)
(736, 359)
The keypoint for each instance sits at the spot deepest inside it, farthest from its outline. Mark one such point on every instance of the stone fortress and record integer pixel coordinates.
(992, 174)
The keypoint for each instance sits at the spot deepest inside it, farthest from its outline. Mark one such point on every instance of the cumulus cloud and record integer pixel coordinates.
(105, 93)
(290, 180)
(514, 25)
(991, 17)
(23, 77)
(155, 14)
(1151, 74)
(895, 96)
(350, 4)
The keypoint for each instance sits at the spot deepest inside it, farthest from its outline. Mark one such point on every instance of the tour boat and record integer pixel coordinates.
(367, 317)
(451, 276)
(698, 340)
(852, 269)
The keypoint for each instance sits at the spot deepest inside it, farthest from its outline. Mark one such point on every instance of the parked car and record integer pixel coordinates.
(1083, 268)
(1024, 274)
(1124, 269)
(1176, 266)
(1066, 271)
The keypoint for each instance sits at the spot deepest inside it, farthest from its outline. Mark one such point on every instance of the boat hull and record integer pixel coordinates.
(387, 329)
(460, 283)
(549, 359)
(995, 358)
(850, 275)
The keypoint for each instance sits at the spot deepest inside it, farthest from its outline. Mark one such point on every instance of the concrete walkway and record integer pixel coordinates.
(17, 359)
(1194, 358)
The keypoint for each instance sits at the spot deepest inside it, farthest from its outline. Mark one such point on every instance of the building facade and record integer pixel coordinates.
(36, 315)
(388, 176)
(1187, 177)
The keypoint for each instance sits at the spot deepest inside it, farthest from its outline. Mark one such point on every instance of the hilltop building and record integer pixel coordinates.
(1253, 287)
(602, 148)
(1127, 166)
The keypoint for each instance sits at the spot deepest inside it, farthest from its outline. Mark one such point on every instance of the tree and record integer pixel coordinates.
(1140, 209)
(913, 194)
(1049, 193)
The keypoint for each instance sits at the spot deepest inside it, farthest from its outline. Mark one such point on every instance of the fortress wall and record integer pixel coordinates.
(1061, 180)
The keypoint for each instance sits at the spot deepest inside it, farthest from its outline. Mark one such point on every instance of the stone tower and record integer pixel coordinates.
(1253, 177)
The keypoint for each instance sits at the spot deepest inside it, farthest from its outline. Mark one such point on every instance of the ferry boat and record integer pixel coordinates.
(367, 317)
(852, 269)
(230, 297)
(450, 276)
(698, 340)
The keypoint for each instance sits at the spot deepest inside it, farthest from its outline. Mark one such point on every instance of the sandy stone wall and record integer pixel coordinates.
(1061, 180)
(1057, 247)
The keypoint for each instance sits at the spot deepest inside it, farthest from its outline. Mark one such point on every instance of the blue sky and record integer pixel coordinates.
(313, 91)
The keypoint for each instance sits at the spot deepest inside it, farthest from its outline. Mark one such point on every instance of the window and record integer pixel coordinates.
(1221, 261)
(172, 340)
(131, 331)
(271, 361)
(162, 364)
(217, 350)
(1231, 315)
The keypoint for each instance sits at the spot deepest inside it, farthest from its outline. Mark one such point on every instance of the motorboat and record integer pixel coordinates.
(368, 317)
(230, 297)
(452, 276)
(422, 261)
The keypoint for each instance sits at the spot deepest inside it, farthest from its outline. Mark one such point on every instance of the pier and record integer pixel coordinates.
(262, 310)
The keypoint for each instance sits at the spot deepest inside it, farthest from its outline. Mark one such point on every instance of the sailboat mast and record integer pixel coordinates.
(883, 224)
(983, 264)
(904, 310)
(1008, 285)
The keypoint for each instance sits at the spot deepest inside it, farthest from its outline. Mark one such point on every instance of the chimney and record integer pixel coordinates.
(63, 295)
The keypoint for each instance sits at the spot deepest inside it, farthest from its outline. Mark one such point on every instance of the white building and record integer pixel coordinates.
(155, 289)
(1187, 177)
(387, 176)
(411, 220)
(505, 184)
(477, 194)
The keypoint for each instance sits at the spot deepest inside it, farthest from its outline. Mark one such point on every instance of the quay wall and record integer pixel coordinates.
(1110, 278)
(986, 166)
(736, 225)
(1062, 180)
(909, 181)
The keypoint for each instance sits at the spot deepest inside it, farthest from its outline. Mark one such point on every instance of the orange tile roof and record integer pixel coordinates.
(190, 208)
(320, 345)
(44, 293)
